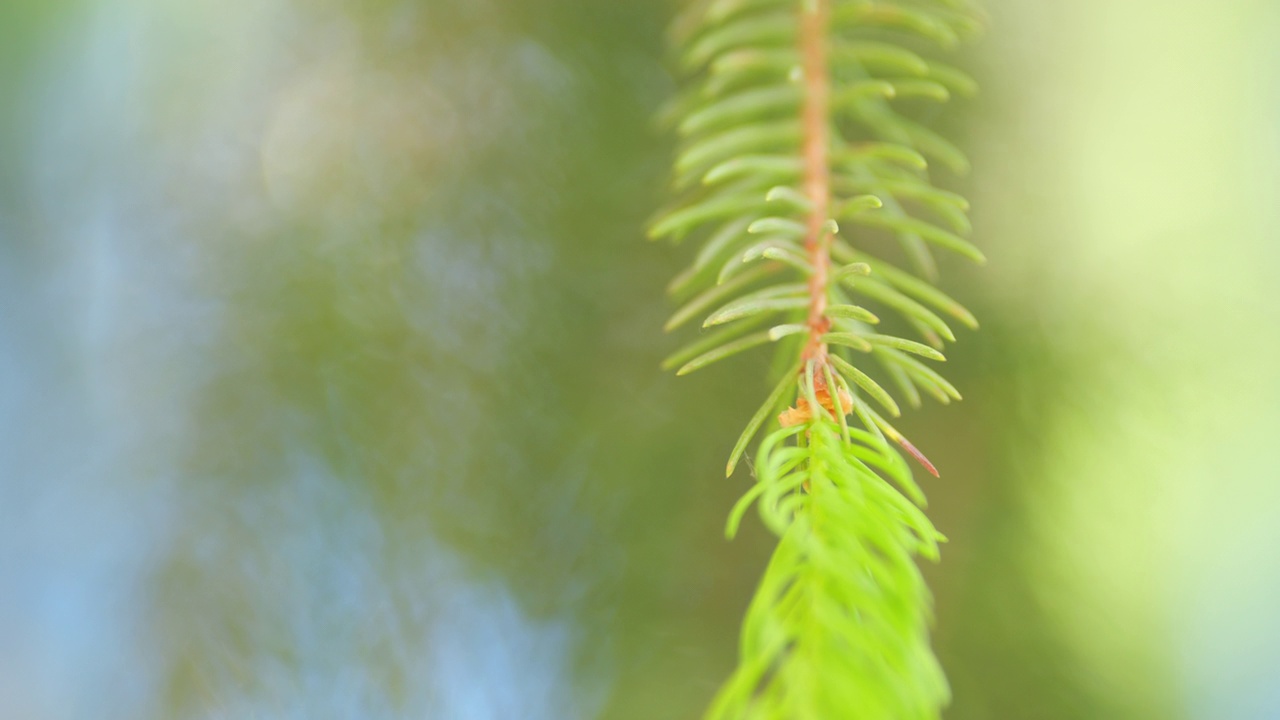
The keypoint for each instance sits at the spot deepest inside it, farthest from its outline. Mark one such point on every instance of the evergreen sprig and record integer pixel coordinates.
(835, 629)
(796, 119)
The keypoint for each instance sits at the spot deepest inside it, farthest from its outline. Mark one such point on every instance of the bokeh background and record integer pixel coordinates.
(329, 389)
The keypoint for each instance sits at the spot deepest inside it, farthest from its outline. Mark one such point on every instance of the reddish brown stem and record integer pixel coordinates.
(814, 15)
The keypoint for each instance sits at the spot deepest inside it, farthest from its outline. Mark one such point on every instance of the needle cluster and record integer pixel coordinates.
(801, 151)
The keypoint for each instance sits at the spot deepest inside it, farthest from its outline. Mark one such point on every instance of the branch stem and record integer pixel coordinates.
(815, 119)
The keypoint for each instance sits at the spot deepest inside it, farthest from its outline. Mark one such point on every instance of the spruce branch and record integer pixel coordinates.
(791, 124)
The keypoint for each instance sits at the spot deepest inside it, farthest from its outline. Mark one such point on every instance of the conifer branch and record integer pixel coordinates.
(788, 125)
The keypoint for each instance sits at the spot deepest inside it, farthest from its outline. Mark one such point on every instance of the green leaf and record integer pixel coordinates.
(742, 107)
(860, 204)
(850, 271)
(760, 249)
(927, 231)
(710, 341)
(920, 189)
(755, 306)
(957, 80)
(955, 217)
(790, 257)
(864, 179)
(725, 351)
(901, 379)
(778, 226)
(863, 381)
(834, 390)
(869, 151)
(731, 232)
(916, 20)
(708, 151)
(933, 144)
(721, 10)
(892, 433)
(852, 312)
(861, 91)
(753, 426)
(718, 293)
(926, 89)
(849, 340)
(790, 197)
(767, 30)
(928, 377)
(903, 304)
(926, 293)
(737, 262)
(931, 338)
(867, 416)
(778, 332)
(680, 220)
(774, 168)
(880, 55)
(904, 345)
(740, 507)
(755, 60)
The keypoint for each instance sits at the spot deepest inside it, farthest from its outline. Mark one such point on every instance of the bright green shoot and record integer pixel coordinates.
(800, 164)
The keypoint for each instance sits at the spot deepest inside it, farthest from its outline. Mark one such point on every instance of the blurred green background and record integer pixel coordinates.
(329, 389)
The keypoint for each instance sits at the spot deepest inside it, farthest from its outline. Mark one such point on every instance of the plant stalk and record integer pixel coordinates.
(815, 119)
